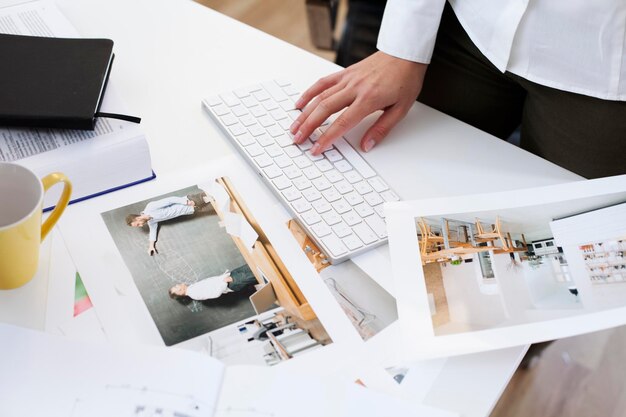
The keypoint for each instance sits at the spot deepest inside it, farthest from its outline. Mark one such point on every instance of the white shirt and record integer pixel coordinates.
(572, 45)
(209, 288)
(165, 209)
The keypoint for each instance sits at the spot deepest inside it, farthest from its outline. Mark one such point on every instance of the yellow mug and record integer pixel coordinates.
(21, 230)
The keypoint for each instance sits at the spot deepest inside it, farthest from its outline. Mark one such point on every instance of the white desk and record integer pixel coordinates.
(172, 53)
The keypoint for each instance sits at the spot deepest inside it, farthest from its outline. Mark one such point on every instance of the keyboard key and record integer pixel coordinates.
(341, 206)
(373, 199)
(248, 120)
(282, 182)
(389, 196)
(282, 161)
(270, 105)
(301, 205)
(254, 150)
(302, 162)
(287, 105)
(263, 161)
(311, 173)
(380, 210)
(256, 130)
(331, 195)
(265, 140)
(266, 121)
(242, 92)
(302, 183)
(352, 242)
(229, 119)
(274, 151)
(315, 135)
(294, 114)
(285, 124)
(279, 114)
(237, 129)
(311, 194)
(355, 158)
(220, 110)
(272, 171)
(239, 110)
(377, 225)
(245, 139)
(333, 155)
(321, 183)
(229, 99)
(343, 186)
(314, 157)
(351, 218)
(330, 218)
(261, 95)
(343, 166)
(334, 245)
(284, 140)
(311, 217)
(378, 184)
(291, 193)
(213, 101)
(275, 131)
(321, 230)
(333, 176)
(306, 145)
(292, 151)
(275, 91)
(364, 210)
(352, 177)
(321, 206)
(353, 198)
(364, 233)
(250, 102)
(257, 111)
(363, 187)
(341, 230)
(292, 172)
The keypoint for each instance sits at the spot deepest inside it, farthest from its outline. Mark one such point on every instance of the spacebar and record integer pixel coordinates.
(354, 158)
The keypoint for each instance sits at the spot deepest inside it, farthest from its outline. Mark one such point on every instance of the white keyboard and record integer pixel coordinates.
(336, 197)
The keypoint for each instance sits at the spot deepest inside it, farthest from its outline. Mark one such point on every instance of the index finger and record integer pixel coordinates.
(346, 121)
(319, 86)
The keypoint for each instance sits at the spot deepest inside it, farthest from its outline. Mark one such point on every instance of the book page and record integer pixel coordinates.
(69, 379)
(42, 18)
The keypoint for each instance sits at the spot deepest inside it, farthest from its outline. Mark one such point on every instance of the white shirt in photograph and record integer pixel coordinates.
(208, 288)
(572, 45)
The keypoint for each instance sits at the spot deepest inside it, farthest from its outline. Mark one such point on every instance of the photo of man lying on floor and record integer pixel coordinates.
(197, 278)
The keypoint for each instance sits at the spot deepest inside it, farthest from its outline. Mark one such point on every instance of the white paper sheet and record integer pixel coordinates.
(236, 225)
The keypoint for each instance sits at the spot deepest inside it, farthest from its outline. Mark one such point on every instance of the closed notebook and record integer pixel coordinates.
(52, 82)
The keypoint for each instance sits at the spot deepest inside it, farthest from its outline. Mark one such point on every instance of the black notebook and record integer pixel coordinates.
(52, 82)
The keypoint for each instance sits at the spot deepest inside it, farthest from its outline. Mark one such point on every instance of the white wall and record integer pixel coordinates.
(467, 305)
(513, 286)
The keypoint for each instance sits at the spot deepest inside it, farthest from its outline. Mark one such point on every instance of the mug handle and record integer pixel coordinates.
(48, 181)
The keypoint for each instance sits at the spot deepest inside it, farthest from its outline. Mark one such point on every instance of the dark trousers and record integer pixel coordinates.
(583, 134)
(242, 277)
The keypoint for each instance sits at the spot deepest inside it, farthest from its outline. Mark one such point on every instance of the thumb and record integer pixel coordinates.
(381, 128)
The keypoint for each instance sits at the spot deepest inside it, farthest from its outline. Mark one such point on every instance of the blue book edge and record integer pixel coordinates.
(110, 190)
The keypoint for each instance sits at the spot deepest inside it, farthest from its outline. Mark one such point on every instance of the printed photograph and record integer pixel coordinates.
(368, 306)
(491, 269)
(203, 266)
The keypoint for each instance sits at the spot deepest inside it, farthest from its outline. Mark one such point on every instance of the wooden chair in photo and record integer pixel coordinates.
(491, 235)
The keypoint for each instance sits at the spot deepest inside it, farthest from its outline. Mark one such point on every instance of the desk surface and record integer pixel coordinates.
(171, 53)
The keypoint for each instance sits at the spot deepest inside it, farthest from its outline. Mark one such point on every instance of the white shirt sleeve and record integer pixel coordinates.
(409, 29)
(208, 288)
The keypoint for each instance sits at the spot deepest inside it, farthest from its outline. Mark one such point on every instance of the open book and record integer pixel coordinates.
(48, 375)
(112, 156)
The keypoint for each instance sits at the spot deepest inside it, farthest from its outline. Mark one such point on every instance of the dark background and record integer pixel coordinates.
(190, 248)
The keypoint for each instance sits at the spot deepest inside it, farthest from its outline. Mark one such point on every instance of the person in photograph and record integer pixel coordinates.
(214, 287)
(165, 209)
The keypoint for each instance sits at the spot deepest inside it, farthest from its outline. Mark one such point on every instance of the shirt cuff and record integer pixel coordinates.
(409, 29)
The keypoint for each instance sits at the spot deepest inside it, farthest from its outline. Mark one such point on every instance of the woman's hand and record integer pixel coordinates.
(379, 82)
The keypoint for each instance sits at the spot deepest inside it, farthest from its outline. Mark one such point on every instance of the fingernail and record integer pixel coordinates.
(369, 145)
(316, 147)
(297, 137)
(294, 126)
(298, 104)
